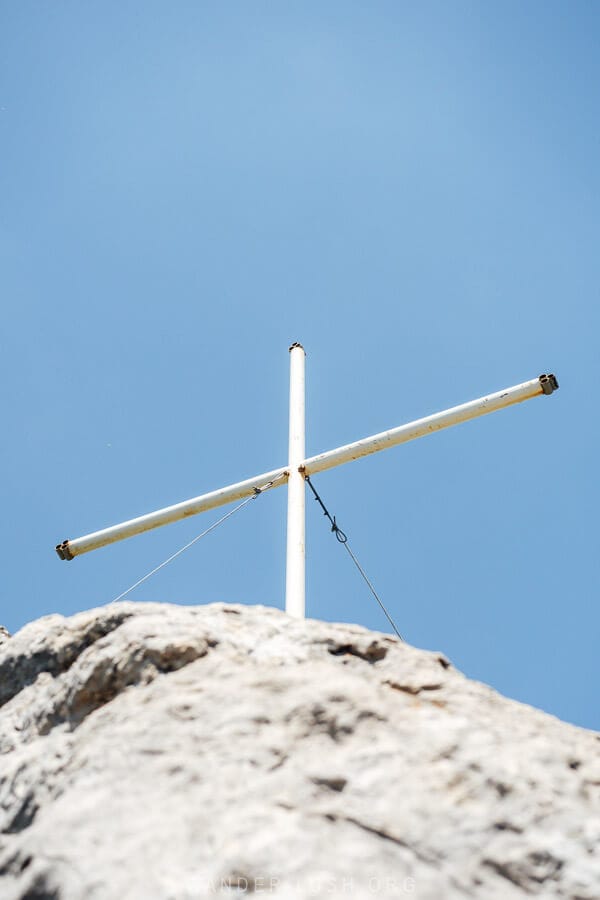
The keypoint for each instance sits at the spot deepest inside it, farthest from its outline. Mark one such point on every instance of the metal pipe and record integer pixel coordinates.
(70, 549)
(545, 384)
(296, 515)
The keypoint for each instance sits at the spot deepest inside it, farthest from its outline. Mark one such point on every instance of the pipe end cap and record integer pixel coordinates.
(63, 551)
(549, 383)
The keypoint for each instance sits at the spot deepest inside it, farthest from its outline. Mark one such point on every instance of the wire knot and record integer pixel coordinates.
(340, 536)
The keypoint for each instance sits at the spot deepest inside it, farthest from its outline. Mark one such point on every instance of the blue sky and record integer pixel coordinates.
(411, 191)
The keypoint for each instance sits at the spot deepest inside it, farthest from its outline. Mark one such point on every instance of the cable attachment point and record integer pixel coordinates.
(269, 484)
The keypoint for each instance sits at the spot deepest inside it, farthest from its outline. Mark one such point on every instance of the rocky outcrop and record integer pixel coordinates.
(155, 751)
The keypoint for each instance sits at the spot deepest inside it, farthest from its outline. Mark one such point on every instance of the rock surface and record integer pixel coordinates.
(155, 751)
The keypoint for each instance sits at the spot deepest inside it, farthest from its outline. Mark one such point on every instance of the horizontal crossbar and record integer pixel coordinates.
(545, 384)
(70, 549)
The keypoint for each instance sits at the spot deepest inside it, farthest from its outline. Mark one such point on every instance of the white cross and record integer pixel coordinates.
(299, 467)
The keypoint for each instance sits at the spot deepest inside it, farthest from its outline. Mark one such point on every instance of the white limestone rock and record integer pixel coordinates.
(156, 751)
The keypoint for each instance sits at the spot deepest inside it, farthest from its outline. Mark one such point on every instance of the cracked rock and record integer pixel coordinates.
(155, 751)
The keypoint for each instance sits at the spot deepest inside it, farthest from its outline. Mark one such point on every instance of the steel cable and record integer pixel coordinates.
(342, 538)
(257, 493)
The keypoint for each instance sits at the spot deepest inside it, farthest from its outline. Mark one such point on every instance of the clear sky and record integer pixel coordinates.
(409, 189)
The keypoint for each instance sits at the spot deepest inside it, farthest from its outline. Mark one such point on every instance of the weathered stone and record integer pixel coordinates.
(155, 751)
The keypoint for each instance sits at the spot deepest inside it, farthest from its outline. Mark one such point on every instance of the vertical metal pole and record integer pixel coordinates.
(295, 565)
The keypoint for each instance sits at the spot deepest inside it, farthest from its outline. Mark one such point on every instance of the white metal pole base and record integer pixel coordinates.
(296, 552)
